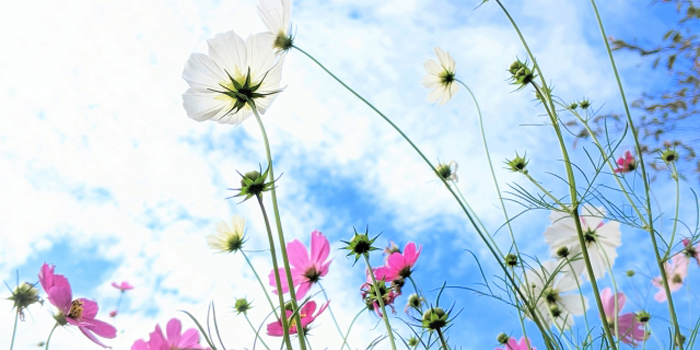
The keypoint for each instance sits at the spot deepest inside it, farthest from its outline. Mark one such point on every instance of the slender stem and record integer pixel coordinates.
(345, 338)
(520, 313)
(674, 175)
(50, 334)
(419, 293)
(549, 194)
(583, 302)
(615, 302)
(119, 302)
(332, 315)
(14, 329)
(262, 285)
(659, 261)
(483, 227)
(273, 255)
(380, 299)
(442, 340)
(280, 234)
(257, 333)
(499, 259)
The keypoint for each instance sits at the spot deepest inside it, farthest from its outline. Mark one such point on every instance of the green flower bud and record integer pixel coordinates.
(630, 273)
(573, 105)
(585, 104)
(643, 316)
(360, 244)
(517, 164)
(414, 301)
(253, 184)
(511, 260)
(669, 156)
(413, 342)
(503, 338)
(24, 295)
(563, 252)
(434, 319)
(242, 306)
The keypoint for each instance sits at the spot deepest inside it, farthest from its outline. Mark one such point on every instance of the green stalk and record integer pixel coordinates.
(442, 340)
(50, 334)
(14, 329)
(262, 285)
(280, 234)
(674, 175)
(273, 255)
(583, 303)
(499, 259)
(380, 299)
(345, 338)
(257, 333)
(659, 261)
(332, 315)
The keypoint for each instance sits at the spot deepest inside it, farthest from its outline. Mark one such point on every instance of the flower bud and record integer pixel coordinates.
(242, 306)
(253, 184)
(413, 342)
(563, 252)
(360, 244)
(24, 295)
(517, 164)
(669, 156)
(511, 260)
(434, 319)
(643, 316)
(585, 104)
(630, 273)
(503, 338)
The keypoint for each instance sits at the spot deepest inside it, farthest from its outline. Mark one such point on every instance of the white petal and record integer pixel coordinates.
(435, 95)
(573, 304)
(432, 67)
(260, 55)
(228, 50)
(275, 14)
(430, 81)
(203, 106)
(202, 73)
(445, 59)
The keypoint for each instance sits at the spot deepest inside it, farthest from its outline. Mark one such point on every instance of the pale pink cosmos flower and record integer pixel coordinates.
(306, 269)
(399, 265)
(79, 312)
(124, 286)
(307, 315)
(630, 330)
(690, 251)
(676, 272)
(523, 344)
(626, 164)
(175, 340)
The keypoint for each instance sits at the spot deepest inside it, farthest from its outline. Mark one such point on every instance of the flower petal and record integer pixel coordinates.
(228, 50)
(320, 247)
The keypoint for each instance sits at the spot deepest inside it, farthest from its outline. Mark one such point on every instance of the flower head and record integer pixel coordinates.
(369, 292)
(228, 239)
(233, 79)
(173, 339)
(447, 171)
(307, 316)
(306, 269)
(511, 344)
(124, 286)
(630, 330)
(23, 295)
(601, 238)
(690, 251)
(676, 272)
(517, 164)
(440, 77)
(669, 155)
(626, 164)
(275, 14)
(79, 312)
(399, 265)
(434, 319)
(521, 75)
(360, 244)
(242, 305)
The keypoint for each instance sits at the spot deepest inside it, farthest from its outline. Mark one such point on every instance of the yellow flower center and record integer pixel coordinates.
(76, 309)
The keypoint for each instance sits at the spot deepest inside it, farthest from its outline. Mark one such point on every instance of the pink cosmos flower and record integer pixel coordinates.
(113, 313)
(690, 251)
(676, 272)
(369, 296)
(630, 330)
(124, 286)
(306, 270)
(626, 164)
(79, 312)
(514, 345)
(307, 316)
(399, 265)
(174, 340)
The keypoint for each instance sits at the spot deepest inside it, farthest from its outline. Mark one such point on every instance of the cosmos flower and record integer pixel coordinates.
(399, 265)
(275, 14)
(124, 286)
(630, 330)
(512, 344)
(550, 286)
(228, 239)
(601, 238)
(448, 171)
(234, 77)
(306, 269)
(626, 164)
(307, 315)
(79, 312)
(676, 272)
(440, 77)
(690, 251)
(173, 339)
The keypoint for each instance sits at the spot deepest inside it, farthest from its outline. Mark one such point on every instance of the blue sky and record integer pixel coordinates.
(106, 177)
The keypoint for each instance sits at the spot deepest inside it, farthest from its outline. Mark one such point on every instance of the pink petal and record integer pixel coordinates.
(298, 256)
(303, 289)
(189, 339)
(409, 252)
(92, 337)
(308, 308)
(46, 276)
(275, 329)
(660, 296)
(320, 248)
(524, 343)
(173, 330)
(103, 329)
(140, 345)
(61, 298)
(607, 301)
(89, 309)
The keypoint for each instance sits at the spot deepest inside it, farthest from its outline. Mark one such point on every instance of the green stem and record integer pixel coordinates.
(345, 338)
(257, 333)
(549, 194)
(50, 334)
(14, 329)
(419, 292)
(483, 227)
(273, 255)
(262, 285)
(332, 315)
(280, 234)
(442, 340)
(659, 261)
(583, 302)
(674, 175)
(380, 299)
(499, 259)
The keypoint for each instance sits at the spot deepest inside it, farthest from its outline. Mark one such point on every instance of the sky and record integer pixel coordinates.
(106, 177)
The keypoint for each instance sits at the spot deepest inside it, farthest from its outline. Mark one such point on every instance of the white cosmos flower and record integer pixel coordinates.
(440, 77)
(228, 239)
(547, 285)
(601, 238)
(275, 14)
(235, 74)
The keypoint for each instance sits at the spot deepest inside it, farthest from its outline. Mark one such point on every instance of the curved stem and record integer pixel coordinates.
(659, 261)
(380, 299)
(337, 326)
(50, 334)
(262, 285)
(674, 175)
(257, 333)
(273, 255)
(14, 329)
(280, 234)
(549, 194)
(442, 340)
(345, 338)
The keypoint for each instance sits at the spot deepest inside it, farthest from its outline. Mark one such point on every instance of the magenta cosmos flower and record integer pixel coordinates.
(124, 286)
(79, 312)
(175, 340)
(306, 313)
(399, 265)
(306, 269)
(690, 251)
(630, 330)
(523, 344)
(626, 164)
(676, 272)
